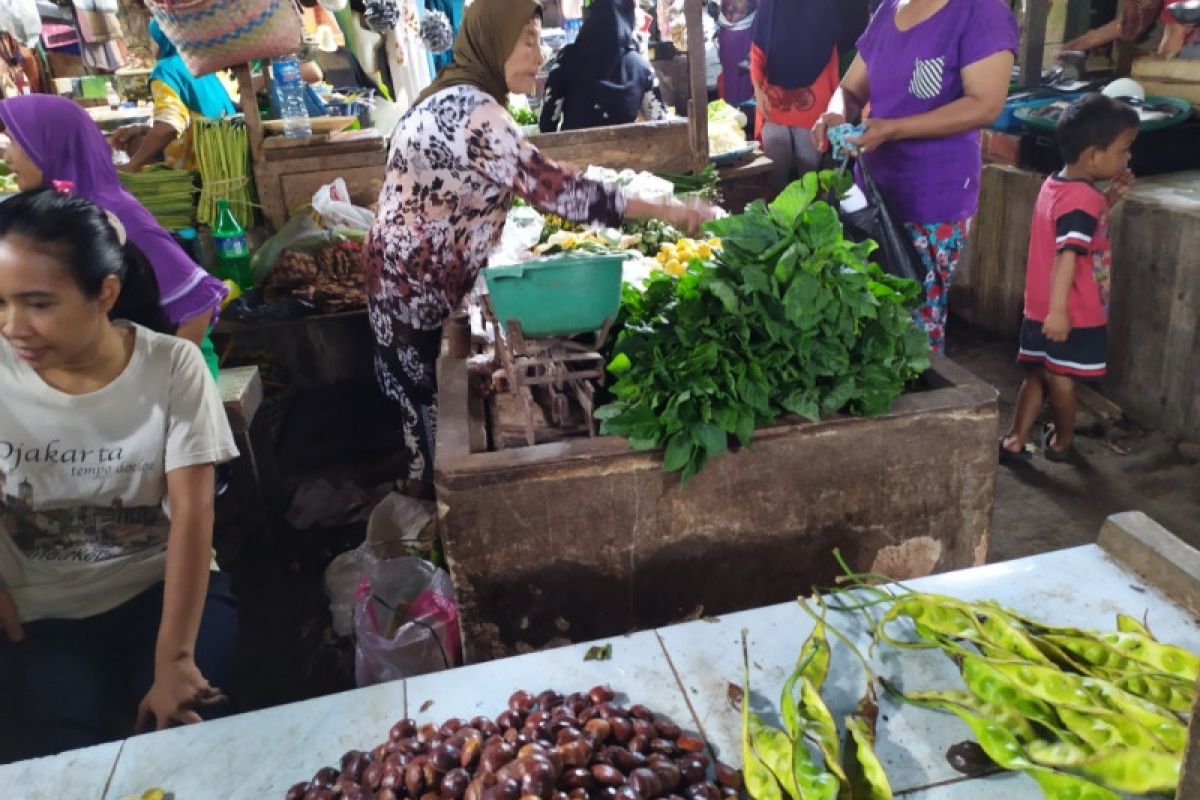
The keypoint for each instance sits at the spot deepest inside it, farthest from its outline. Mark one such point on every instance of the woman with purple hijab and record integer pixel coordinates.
(54, 140)
(735, 34)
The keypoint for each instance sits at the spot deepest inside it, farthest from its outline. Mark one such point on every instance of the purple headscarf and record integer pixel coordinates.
(67, 145)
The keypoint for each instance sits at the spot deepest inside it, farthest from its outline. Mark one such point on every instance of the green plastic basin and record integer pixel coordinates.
(557, 296)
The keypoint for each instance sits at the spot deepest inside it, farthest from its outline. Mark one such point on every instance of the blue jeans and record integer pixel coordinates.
(76, 683)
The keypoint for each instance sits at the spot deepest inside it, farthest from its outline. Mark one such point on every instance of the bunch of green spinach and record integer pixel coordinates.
(788, 318)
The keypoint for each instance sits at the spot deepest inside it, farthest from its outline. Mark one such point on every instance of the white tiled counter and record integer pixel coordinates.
(682, 672)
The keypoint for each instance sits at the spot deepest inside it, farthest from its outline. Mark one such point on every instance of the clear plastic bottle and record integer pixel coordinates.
(289, 88)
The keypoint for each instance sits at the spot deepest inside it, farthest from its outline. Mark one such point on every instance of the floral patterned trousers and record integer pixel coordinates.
(940, 245)
(407, 375)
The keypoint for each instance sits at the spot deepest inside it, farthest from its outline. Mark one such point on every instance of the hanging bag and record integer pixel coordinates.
(896, 254)
(213, 35)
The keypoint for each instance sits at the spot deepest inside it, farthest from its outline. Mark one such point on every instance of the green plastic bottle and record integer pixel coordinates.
(233, 250)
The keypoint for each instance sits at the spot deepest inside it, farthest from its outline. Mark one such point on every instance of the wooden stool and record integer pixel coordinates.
(255, 475)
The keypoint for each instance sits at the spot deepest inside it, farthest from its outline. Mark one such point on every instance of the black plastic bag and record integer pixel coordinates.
(252, 307)
(896, 254)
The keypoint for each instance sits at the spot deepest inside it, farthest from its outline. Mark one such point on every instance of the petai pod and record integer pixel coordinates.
(1009, 717)
(993, 686)
(774, 749)
(1127, 624)
(760, 782)
(1135, 771)
(1163, 657)
(1062, 786)
(1102, 730)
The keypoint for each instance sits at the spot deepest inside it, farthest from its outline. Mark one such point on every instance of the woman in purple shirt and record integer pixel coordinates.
(934, 73)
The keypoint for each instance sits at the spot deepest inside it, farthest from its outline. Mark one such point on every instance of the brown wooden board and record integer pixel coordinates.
(1033, 41)
(650, 146)
(287, 185)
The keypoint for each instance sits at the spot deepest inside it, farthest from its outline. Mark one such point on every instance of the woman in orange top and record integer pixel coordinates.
(794, 67)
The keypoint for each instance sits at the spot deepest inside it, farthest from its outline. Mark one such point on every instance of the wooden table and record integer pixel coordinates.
(314, 351)
(681, 672)
(110, 120)
(745, 181)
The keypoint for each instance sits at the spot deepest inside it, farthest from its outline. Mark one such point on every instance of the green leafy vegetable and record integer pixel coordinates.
(522, 116)
(598, 653)
(790, 318)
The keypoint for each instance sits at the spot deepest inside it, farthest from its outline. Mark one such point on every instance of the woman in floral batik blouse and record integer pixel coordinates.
(457, 162)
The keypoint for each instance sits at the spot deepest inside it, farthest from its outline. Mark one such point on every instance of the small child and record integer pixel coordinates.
(1064, 335)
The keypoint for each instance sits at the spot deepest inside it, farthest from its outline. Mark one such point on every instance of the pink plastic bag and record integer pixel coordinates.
(405, 622)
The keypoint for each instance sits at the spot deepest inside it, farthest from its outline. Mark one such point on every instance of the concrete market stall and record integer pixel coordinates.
(585, 538)
(681, 672)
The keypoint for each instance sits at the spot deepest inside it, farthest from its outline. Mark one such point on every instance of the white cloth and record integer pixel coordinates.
(408, 58)
(83, 491)
(21, 19)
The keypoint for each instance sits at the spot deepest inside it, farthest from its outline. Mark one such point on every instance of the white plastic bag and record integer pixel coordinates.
(342, 579)
(395, 528)
(332, 203)
(522, 231)
(397, 523)
(405, 621)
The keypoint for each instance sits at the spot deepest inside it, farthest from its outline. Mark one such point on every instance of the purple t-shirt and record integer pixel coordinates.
(919, 70)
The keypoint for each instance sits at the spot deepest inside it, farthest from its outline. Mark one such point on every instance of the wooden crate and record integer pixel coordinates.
(288, 172)
(1169, 77)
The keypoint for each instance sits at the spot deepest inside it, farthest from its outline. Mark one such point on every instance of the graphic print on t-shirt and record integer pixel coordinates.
(81, 533)
(926, 80)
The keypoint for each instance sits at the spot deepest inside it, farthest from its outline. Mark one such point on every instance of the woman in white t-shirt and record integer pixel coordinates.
(113, 614)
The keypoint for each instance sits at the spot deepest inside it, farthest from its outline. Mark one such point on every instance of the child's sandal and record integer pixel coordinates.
(1048, 439)
(1009, 457)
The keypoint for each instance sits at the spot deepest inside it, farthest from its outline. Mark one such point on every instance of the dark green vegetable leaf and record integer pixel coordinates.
(789, 319)
(598, 653)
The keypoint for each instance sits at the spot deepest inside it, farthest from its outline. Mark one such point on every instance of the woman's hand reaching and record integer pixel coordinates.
(178, 691)
(687, 215)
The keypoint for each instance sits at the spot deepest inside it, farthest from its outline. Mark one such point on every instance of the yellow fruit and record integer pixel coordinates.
(704, 251)
(714, 243)
(674, 267)
(235, 292)
(662, 256)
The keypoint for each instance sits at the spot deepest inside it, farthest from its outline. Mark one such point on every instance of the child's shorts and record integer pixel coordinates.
(1080, 356)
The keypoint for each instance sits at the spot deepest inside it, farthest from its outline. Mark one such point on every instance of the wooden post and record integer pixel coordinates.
(1033, 41)
(693, 11)
(254, 126)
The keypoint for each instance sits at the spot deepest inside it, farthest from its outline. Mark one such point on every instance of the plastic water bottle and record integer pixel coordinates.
(289, 86)
(233, 250)
(571, 28)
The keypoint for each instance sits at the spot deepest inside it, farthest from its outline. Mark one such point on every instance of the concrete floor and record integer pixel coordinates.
(1042, 506)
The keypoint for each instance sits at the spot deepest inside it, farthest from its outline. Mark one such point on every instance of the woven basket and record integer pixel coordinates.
(216, 34)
